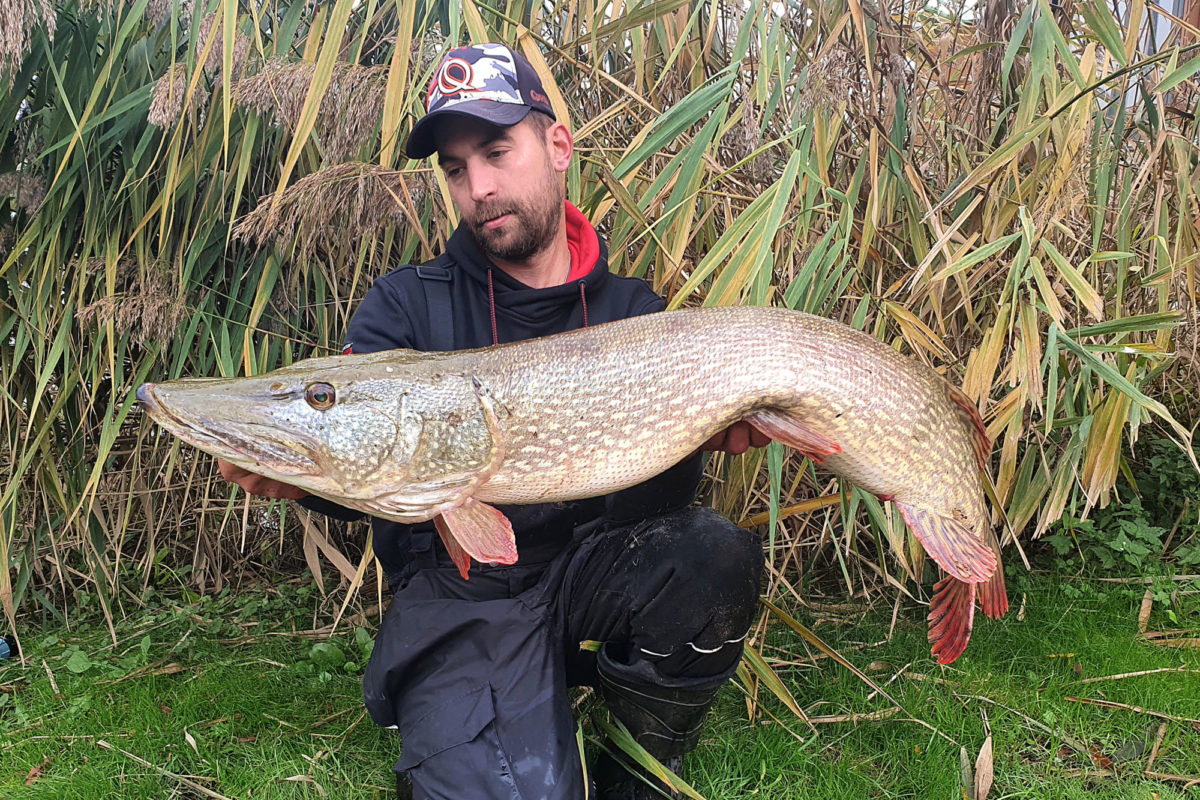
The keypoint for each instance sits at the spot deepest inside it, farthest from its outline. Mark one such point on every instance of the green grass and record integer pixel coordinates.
(1023, 666)
(262, 705)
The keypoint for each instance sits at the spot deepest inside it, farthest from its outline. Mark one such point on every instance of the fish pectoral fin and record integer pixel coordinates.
(951, 616)
(479, 531)
(954, 546)
(790, 430)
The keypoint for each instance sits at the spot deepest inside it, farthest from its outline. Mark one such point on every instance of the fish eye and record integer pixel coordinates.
(320, 396)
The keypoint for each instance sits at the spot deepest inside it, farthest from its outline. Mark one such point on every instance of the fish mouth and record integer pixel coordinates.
(250, 444)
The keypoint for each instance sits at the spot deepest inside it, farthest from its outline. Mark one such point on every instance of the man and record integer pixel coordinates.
(475, 673)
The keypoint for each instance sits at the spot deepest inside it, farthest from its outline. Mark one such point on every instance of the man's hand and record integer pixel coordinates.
(259, 484)
(737, 439)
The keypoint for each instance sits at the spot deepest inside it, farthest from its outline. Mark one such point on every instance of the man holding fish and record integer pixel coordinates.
(474, 673)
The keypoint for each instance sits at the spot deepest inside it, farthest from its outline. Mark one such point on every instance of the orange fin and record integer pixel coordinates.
(457, 554)
(974, 422)
(791, 431)
(479, 531)
(951, 616)
(992, 594)
(951, 544)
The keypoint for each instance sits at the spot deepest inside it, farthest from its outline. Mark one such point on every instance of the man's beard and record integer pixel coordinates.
(533, 226)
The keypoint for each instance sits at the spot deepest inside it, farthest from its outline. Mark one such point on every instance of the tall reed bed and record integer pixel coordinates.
(209, 187)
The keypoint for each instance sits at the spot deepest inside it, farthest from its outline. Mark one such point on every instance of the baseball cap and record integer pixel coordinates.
(489, 81)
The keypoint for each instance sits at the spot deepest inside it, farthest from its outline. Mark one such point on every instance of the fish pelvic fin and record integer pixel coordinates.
(956, 548)
(475, 530)
(971, 418)
(790, 430)
(951, 617)
(457, 554)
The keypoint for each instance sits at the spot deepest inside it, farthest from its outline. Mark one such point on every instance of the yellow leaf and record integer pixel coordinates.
(529, 47)
(475, 26)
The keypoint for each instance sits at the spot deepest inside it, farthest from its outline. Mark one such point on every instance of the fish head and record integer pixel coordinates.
(338, 426)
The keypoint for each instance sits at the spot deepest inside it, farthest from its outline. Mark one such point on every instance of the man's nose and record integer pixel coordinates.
(483, 183)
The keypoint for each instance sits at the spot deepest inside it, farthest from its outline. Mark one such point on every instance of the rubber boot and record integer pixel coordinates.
(663, 714)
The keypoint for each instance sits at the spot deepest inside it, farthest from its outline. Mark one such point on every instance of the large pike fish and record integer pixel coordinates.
(412, 436)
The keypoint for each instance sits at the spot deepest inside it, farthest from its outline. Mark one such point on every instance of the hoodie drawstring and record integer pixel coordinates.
(492, 304)
(492, 307)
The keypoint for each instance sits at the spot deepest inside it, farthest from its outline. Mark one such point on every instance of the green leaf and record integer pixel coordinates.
(1085, 294)
(976, 256)
(327, 656)
(1122, 384)
(79, 662)
(620, 736)
(684, 114)
(1100, 21)
(772, 681)
(1178, 76)
(1140, 323)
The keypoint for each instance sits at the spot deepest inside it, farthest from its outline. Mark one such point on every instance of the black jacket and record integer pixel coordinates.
(395, 313)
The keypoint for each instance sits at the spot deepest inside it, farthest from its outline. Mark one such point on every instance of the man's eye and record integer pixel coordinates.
(453, 172)
(496, 153)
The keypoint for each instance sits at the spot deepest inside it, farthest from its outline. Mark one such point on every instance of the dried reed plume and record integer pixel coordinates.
(349, 112)
(833, 80)
(744, 138)
(212, 64)
(29, 190)
(166, 107)
(424, 50)
(329, 210)
(17, 20)
(157, 11)
(149, 309)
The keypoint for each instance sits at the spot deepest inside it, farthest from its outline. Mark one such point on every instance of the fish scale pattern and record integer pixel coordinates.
(611, 406)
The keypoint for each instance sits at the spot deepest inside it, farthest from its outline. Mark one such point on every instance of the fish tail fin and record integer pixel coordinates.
(951, 617)
(475, 530)
(790, 430)
(955, 547)
(993, 595)
(980, 442)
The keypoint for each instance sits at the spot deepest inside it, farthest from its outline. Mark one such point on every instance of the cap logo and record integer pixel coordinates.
(479, 72)
(454, 76)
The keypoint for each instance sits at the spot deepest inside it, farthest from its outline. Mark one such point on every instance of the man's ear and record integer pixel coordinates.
(561, 146)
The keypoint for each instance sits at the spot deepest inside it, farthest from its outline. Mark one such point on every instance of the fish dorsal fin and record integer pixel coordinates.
(980, 442)
(955, 547)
